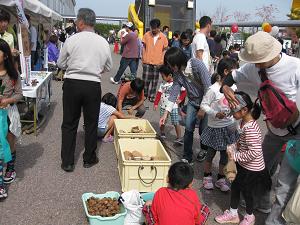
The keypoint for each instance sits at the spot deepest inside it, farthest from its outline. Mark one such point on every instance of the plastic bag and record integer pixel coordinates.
(230, 170)
(291, 213)
(292, 153)
(133, 202)
(5, 153)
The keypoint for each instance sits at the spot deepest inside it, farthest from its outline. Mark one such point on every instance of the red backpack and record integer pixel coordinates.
(277, 108)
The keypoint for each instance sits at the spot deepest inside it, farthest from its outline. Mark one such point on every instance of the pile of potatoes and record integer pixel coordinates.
(105, 207)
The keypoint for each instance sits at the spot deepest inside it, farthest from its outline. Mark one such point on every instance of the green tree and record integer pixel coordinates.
(104, 29)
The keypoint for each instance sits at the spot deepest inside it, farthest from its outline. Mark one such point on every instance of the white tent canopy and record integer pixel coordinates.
(36, 7)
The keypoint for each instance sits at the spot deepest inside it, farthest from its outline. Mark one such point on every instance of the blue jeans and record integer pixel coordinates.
(190, 122)
(124, 63)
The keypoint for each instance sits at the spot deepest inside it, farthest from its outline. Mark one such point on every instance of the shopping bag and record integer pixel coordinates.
(292, 153)
(230, 170)
(5, 153)
(133, 202)
(291, 213)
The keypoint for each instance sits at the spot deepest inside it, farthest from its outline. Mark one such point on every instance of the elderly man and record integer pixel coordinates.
(263, 53)
(85, 56)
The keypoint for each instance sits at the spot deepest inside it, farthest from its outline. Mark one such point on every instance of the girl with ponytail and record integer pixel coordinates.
(252, 177)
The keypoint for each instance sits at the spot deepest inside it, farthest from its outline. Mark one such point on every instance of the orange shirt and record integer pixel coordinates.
(154, 53)
(126, 92)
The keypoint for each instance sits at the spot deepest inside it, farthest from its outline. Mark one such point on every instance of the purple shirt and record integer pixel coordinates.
(130, 43)
(53, 52)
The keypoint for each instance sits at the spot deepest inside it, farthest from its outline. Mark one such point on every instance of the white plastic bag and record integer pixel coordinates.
(291, 214)
(133, 202)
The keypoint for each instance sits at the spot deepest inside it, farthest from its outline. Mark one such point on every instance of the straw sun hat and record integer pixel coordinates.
(259, 48)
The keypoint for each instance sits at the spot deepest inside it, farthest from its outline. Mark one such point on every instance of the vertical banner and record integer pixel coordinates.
(27, 69)
(20, 13)
(26, 52)
(23, 40)
(46, 57)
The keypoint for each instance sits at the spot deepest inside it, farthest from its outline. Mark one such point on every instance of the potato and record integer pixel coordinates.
(137, 154)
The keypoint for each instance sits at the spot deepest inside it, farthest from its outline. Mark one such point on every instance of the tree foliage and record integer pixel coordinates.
(266, 13)
(104, 28)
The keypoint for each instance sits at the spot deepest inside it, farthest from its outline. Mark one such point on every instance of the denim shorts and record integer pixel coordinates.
(101, 132)
(174, 115)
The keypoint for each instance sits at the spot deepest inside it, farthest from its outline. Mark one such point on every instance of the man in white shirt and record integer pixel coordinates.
(85, 56)
(33, 42)
(263, 52)
(200, 48)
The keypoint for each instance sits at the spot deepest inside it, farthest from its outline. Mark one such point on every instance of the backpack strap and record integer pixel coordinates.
(263, 75)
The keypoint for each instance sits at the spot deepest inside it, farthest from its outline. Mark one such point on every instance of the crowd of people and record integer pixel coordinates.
(199, 72)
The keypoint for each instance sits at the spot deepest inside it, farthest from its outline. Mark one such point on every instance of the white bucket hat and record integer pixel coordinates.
(259, 48)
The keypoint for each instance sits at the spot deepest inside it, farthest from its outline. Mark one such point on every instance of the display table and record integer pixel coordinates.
(38, 94)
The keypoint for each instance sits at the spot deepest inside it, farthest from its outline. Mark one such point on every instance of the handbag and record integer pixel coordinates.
(291, 213)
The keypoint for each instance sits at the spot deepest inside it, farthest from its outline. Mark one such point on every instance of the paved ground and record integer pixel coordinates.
(43, 194)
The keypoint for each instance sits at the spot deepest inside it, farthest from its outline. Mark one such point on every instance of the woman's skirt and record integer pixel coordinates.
(219, 138)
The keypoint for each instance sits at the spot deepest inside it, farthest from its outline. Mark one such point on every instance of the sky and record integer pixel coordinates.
(120, 7)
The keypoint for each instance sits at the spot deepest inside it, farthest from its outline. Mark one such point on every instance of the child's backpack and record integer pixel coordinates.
(278, 109)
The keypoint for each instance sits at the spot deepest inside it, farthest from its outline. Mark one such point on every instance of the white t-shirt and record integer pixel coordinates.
(214, 102)
(155, 38)
(200, 43)
(33, 37)
(285, 75)
(165, 88)
(105, 112)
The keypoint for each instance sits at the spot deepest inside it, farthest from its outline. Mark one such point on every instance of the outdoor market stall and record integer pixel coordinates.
(36, 85)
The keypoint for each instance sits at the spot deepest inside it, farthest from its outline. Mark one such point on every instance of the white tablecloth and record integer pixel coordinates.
(42, 91)
(43, 79)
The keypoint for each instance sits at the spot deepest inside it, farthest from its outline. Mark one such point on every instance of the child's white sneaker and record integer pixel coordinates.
(248, 220)
(222, 185)
(208, 183)
(228, 217)
(3, 193)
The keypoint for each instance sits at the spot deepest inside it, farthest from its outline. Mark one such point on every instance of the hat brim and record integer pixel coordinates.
(244, 56)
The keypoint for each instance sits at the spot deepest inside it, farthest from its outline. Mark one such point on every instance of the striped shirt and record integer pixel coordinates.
(249, 154)
(105, 112)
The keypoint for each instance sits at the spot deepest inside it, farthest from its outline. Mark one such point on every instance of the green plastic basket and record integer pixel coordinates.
(118, 219)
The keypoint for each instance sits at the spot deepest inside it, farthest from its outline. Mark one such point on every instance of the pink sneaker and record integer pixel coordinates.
(208, 183)
(109, 139)
(248, 220)
(222, 185)
(227, 217)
